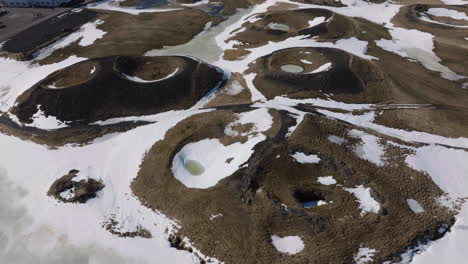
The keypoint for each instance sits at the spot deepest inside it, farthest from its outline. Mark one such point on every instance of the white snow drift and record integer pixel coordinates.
(304, 158)
(218, 161)
(367, 204)
(289, 245)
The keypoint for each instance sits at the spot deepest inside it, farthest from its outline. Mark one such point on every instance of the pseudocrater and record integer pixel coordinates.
(119, 86)
(204, 163)
(314, 72)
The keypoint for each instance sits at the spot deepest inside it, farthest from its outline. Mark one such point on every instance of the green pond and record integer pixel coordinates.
(194, 167)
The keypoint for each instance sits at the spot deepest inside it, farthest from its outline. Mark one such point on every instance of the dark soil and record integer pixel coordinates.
(350, 78)
(106, 93)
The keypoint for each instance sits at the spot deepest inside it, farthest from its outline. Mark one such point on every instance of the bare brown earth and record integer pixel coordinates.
(252, 199)
(234, 92)
(129, 34)
(128, 3)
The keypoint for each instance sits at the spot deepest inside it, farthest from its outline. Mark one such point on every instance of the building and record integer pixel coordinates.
(30, 3)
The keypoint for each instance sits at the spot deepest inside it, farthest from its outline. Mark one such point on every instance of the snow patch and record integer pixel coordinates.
(444, 12)
(364, 255)
(212, 155)
(417, 45)
(326, 180)
(136, 79)
(235, 88)
(304, 158)
(214, 216)
(325, 67)
(256, 95)
(19, 76)
(367, 204)
(369, 149)
(289, 245)
(85, 36)
(316, 21)
(259, 118)
(336, 140)
(46, 122)
(415, 206)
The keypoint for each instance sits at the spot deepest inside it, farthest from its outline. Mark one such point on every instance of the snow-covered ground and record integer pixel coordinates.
(364, 256)
(366, 202)
(46, 227)
(35, 228)
(304, 158)
(369, 149)
(289, 245)
(85, 36)
(137, 79)
(218, 161)
(326, 180)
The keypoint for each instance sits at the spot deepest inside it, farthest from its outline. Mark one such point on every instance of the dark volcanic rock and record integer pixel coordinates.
(119, 86)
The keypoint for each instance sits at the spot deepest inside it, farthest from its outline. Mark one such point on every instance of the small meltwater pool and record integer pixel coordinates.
(194, 167)
(292, 68)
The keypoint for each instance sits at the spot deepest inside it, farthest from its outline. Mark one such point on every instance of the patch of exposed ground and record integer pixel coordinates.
(266, 197)
(77, 135)
(137, 34)
(448, 33)
(234, 92)
(66, 190)
(113, 227)
(279, 25)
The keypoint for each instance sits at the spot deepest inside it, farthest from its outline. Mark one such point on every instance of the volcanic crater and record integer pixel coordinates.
(119, 86)
(325, 72)
(277, 26)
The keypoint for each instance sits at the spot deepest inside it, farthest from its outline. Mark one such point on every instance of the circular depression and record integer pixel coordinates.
(77, 74)
(148, 69)
(298, 61)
